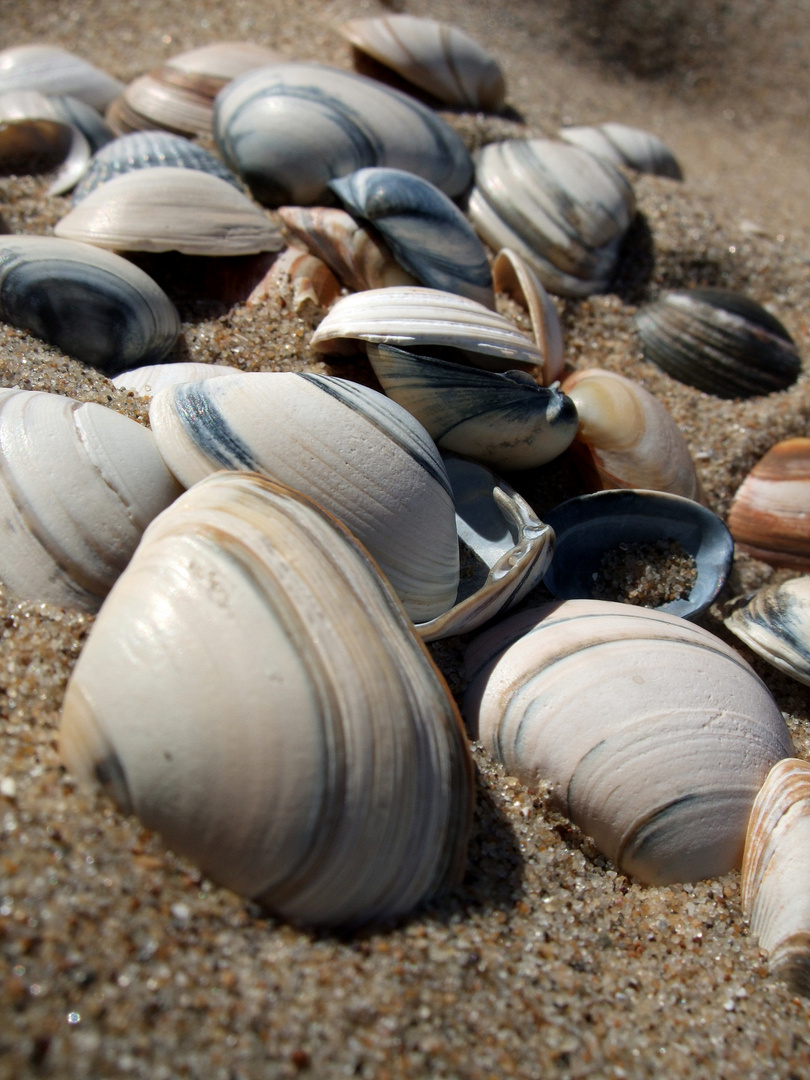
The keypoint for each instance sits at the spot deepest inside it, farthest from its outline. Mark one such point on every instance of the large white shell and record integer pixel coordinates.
(630, 147)
(78, 485)
(653, 733)
(52, 70)
(358, 454)
(147, 380)
(776, 624)
(253, 691)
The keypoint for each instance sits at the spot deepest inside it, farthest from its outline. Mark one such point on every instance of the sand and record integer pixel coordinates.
(120, 959)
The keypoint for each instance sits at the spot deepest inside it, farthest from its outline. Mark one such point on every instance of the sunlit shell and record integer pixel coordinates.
(513, 276)
(775, 622)
(630, 147)
(52, 70)
(147, 380)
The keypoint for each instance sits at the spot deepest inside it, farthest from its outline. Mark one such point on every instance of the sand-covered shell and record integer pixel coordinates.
(52, 70)
(425, 230)
(171, 209)
(630, 147)
(79, 483)
(513, 276)
(91, 303)
(506, 421)
(433, 56)
(718, 341)
(357, 453)
(775, 622)
(627, 438)
(654, 735)
(151, 378)
(562, 209)
(253, 691)
(288, 129)
(424, 320)
(776, 872)
(769, 516)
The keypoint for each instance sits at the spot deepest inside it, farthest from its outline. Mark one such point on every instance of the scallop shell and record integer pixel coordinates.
(718, 341)
(775, 882)
(653, 733)
(434, 56)
(513, 276)
(359, 455)
(775, 622)
(630, 147)
(52, 70)
(92, 304)
(253, 691)
(151, 378)
(290, 128)
(78, 485)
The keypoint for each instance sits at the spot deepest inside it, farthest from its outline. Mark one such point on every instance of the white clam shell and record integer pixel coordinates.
(78, 485)
(19, 108)
(775, 623)
(653, 733)
(151, 378)
(358, 454)
(627, 146)
(52, 70)
(253, 691)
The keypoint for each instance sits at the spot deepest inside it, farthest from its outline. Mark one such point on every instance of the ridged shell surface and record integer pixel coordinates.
(253, 691)
(288, 129)
(653, 733)
(78, 485)
(52, 70)
(91, 303)
(776, 624)
(631, 147)
(361, 456)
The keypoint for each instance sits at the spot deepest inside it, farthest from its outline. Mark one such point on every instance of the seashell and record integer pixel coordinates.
(78, 486)
(628, 147)
(433, 56)
(590, 526)
(770, 512)
(507, 549)
(506, 421)
(426, 319)
(426, 231)
(654, 734)
(775, 893)
(147, 380)
(290, 128)
(148, 150)
(358, 454)
(719, 342)
(247, 607)
(308, 278)
(170, 209)
(52, 70)
(513, 276)
(359, 259)
(775, 622)
(627, 438)
(90, 303)
(559, 207)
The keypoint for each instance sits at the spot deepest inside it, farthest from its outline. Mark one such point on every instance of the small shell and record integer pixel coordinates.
(78, 486)
(171, 209)
(435, 57)
(307, 277)
(654, 734)
(421, 319)
(630, 147)
(776, 624)
(506, 421)
(52, 70)
(719, 342)
(88, 302)
(147, 380)
(512, 275)
(775, 881)
(626, 437)
(425, 230)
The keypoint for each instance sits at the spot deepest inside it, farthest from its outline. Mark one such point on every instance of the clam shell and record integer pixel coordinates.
(426, 231)
(253, 691)
(170, 209)
(506, 421)
(52, 70)
(513, 276)
(151, 378)
(718, 341)
(776, 624)
(626, 146)
(90, 303)
(426, 319)
(653, 733)
(627, 438)
(434, 56)
(775, 882)
(288, 129)
(78, 485)
(559, 207)
(359, 455)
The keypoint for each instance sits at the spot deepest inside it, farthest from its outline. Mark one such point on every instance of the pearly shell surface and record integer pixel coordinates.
(775, 623)
(512, 275)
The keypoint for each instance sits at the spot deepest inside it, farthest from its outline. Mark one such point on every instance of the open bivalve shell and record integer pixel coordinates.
(654, 735)
(775, 622)
(776, 872)
(513, 276)
(318, 763)
(78, 486)
(627, 146)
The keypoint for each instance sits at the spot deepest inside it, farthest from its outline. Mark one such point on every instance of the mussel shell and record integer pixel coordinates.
(775, 622)
(718, 341)
(630, 147)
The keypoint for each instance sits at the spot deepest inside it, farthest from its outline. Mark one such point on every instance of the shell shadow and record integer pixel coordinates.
(636, 262)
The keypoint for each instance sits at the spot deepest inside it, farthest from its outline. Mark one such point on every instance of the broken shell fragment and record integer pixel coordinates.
(626, 146)
(775, 623)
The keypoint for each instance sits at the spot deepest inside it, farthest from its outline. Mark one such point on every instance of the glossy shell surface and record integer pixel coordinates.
(513, 276)
(147, 380)
(775, 622)
(53, 70)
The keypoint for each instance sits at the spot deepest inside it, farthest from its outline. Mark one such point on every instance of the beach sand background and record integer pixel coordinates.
(118, 958)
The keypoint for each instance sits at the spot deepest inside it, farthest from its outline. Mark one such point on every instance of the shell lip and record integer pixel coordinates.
(589, 526)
